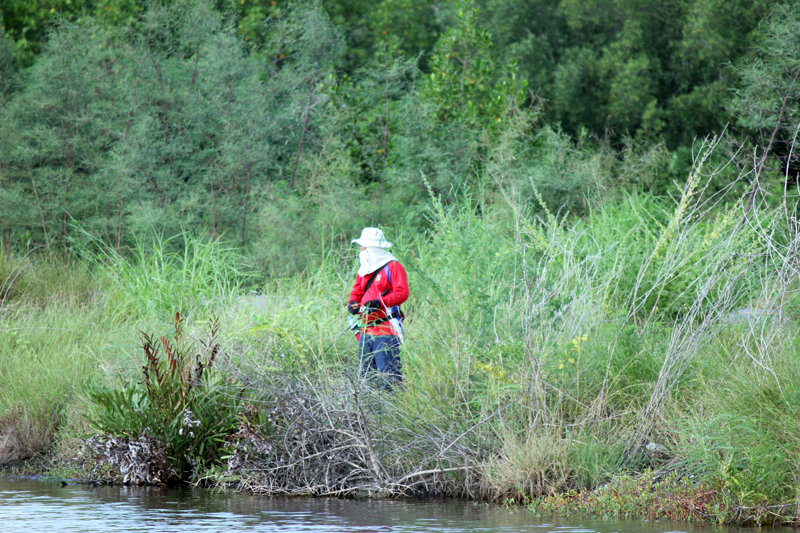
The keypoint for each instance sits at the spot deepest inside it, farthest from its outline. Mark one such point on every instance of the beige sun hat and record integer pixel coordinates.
(372, 237)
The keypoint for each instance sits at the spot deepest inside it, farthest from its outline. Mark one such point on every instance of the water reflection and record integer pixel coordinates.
(33, 506)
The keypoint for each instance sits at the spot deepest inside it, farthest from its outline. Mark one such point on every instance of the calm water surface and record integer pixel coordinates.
(33, 506)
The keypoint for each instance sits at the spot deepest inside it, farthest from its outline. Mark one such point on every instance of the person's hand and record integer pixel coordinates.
(353, 307)
(372, 305)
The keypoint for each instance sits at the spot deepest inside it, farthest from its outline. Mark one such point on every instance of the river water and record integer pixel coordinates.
(37, 506)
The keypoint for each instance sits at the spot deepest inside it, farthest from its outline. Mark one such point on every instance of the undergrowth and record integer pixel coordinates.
(184, 403)
(544, 354)
(640, 497)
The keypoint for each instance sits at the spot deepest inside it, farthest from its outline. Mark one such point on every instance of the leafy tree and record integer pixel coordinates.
(10, 195)
(165, 125)
(465, 83)
(468, 93)
(62, 124)
(767, 102)
(376, 101)
(533, 32)
(317, 182)
(310, 48)
(627, 67)
(8, 74)
(25, 22)
(410, 28)
(696, 79)
(269, 111)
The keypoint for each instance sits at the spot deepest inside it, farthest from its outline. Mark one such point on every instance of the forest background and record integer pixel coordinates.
(595, 201)
(243, 118)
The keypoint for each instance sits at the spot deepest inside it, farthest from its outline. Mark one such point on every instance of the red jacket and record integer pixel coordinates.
(396, 293)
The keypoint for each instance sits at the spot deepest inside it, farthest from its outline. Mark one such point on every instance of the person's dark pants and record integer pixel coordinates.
(379, 358)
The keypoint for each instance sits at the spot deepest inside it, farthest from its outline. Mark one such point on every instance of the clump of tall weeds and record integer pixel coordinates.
(183, 272)
(178, 416)
(579, 335)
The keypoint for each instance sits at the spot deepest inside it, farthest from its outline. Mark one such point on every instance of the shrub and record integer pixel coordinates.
(182, 403)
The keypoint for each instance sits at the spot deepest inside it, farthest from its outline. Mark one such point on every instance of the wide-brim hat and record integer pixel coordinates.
(372, 237)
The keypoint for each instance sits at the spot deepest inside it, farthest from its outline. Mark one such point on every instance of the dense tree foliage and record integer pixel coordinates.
(766, 103)
(275, 122)
(629, 67)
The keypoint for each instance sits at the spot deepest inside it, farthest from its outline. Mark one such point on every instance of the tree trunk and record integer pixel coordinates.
(246, 198)
(302, 134)
(756, 182)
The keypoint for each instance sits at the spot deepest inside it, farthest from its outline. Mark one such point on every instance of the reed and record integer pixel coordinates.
(183, 273)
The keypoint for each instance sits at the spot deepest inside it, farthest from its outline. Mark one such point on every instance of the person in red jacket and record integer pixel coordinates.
(380, 287)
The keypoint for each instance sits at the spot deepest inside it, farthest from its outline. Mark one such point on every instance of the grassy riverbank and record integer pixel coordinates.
(545, 356)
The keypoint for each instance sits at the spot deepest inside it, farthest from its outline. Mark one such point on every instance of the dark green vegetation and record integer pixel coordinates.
(603, 282)
(240, 119)
(181, 404)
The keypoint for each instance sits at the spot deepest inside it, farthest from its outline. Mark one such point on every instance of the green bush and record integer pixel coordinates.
(184, 402)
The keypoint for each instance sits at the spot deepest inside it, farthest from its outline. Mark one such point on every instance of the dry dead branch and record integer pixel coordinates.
(345, 438)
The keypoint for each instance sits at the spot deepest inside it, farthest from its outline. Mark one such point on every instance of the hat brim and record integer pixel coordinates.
(385, 244)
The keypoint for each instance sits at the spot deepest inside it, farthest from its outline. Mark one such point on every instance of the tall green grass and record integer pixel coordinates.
(544, 352)
(519, 324)
(53, 338)
(64, 326)
(177, 274)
